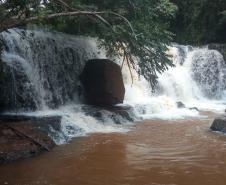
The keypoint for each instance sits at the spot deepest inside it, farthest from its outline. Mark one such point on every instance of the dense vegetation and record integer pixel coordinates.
(125, 27)
(200, 21)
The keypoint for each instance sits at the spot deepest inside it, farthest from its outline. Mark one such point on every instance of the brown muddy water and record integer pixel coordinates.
(154, 152)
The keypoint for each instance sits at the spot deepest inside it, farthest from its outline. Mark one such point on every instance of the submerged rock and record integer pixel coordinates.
(180, 104)
(19, 140)
(103, 83)
(219, 124)
(118, 114)
(194, 108)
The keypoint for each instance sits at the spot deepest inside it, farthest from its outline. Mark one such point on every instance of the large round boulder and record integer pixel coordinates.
(103, 83)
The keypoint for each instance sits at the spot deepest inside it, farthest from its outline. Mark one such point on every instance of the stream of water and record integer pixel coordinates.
(156, 152)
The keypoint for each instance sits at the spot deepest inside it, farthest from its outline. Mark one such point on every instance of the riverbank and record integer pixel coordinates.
(155, 152)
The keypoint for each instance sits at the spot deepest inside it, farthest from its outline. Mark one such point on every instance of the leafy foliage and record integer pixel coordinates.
(200, 21)
(132, 29)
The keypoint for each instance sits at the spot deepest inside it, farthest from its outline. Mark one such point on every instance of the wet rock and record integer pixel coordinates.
(180, 104)
(219, 124)
(16, 90)
(194, 108)
(102, 82)
(118, 114)
(19, 140)
(45, 123)
(124, 111)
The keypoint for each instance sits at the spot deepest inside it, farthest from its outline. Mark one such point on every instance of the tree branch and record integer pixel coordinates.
(16, 22)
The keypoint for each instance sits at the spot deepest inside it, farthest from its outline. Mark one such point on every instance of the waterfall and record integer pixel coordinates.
(200, 78)
(197, 80)
(43, 69)
(51, 63)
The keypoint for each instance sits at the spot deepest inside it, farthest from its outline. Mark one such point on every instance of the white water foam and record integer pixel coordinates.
(176, 85)
(76, 123)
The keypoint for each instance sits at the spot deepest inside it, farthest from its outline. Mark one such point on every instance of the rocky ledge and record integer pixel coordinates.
(24, 137)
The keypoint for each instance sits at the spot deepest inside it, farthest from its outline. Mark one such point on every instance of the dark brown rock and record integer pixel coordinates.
(103, 83)
(44, 123)
(19, 140)
(219, 124)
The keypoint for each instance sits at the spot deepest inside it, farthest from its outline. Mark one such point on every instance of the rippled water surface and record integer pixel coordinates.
(153, 153)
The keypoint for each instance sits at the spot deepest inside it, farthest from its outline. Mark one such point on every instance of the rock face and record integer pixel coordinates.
(41, 69)
(12, 81)
(19, 140)
(45, 123)
(102, 82)
(219, 124)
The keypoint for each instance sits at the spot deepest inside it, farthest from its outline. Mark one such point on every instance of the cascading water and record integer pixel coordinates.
(198, 80)
(43, 70)
(50, 62)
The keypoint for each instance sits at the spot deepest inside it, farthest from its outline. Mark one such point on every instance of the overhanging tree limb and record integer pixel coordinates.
(16, 22)
(150, 20)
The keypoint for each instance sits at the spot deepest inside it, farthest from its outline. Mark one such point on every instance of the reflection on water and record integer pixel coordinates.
(154, 153)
